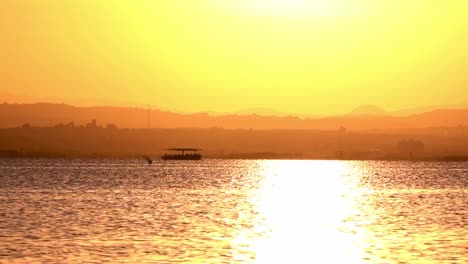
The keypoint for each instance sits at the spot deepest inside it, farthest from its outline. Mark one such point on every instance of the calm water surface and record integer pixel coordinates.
(213, 211)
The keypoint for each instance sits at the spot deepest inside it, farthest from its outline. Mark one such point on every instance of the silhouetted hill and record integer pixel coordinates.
(418, 110)
(44, 114)
(368, 110)
(262, 112)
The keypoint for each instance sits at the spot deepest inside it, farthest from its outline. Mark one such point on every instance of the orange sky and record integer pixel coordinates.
(296, 56)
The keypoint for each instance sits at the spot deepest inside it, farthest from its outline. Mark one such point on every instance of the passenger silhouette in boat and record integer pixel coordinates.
(182, 155)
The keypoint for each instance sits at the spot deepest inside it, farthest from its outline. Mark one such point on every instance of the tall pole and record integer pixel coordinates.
(148, 117)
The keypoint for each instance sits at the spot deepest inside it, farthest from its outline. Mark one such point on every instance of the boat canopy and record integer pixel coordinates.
(183, 149)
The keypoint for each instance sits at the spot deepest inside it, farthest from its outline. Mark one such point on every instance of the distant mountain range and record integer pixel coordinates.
(363, 118)
(368, 110)
(262, 112)
(373, 110)
(363, 110)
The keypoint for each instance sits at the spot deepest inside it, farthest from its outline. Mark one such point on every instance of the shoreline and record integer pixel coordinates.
(222, 157)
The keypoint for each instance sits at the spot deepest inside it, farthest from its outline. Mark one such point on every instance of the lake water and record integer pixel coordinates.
(232, 211)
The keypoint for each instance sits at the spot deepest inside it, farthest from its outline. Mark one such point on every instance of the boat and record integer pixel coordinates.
(182, 155)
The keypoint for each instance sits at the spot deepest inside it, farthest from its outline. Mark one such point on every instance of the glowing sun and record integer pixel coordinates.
(296, 7)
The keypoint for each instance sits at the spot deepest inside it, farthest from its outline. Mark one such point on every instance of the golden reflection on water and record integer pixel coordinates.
(218, 211)
(302, 210)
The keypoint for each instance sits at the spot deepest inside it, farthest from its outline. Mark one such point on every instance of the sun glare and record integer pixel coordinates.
(299, 8)
(282, 6)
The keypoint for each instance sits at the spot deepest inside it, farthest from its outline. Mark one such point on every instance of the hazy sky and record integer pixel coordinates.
(298, 56)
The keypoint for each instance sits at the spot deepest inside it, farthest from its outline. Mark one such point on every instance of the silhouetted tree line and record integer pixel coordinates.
(91, 124)
(93, 139)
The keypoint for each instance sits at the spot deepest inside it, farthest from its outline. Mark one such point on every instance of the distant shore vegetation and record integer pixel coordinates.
(92, 140)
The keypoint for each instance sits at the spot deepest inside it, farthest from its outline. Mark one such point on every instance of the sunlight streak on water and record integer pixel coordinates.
(302, 206)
